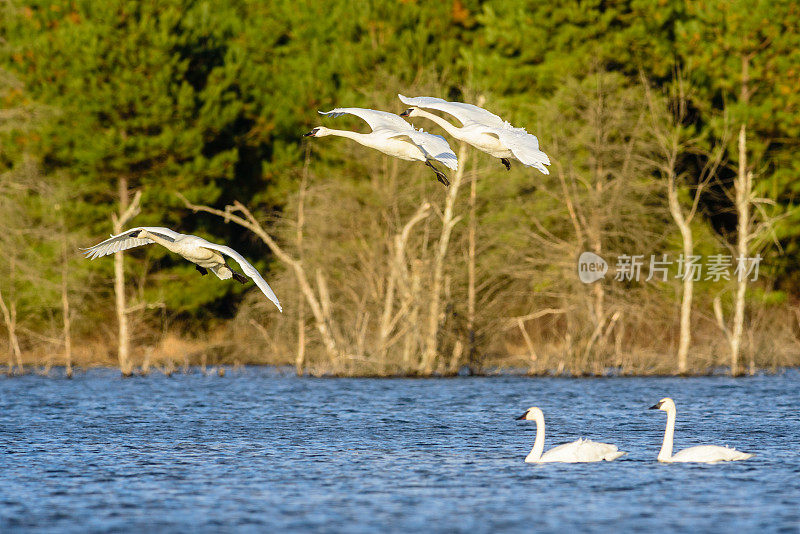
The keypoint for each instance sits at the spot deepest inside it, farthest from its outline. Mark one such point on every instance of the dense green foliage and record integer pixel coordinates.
(210, 99)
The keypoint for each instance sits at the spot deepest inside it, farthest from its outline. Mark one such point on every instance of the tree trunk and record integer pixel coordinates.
(123, 338)
(326, 308)
(397, 272)
(66, 312)
(743, 185)
(411, 340)
(471, 245)
(14, 352)
(599, 293)
(595, 233)
(251, 223)
(528, 342)
(126, 213)
(119, 287)
(473, 223)
(688, 281)
(448, 221)
(300, 357)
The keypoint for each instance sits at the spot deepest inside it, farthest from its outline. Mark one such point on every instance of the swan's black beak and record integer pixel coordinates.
(656, 406)
(521, 416)
(407, 112)
(312, 133)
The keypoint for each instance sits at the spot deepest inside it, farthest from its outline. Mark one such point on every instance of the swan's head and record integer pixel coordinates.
(532, 414)
(319, 131)
(410, 112)
(142, 234)
(666, 404)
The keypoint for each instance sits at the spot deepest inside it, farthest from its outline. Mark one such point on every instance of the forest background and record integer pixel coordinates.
(672, 127)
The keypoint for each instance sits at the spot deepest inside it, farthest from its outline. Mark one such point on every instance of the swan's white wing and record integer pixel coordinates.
(434, 147)
(590, 451)
(377, 120)
(709, 454)
(248, 269)
(524, 146)
(127, 240)
(466, 113)
(582, 450)
(566, 452)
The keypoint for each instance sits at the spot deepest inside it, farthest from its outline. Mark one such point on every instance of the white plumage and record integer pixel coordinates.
(394, 137)
(483, 130)
(580, 451)
(700, 453)
(204, 254)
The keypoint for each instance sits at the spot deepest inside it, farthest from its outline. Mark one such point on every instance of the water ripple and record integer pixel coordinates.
(260, 451)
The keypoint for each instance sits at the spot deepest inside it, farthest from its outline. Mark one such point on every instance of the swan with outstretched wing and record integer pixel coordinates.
(394, 137)
(206, 256)
(482, 129)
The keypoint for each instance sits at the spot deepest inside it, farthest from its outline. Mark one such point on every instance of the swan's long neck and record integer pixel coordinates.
(666, 448)
(169, 245)
(455, 131)
(355, 136)
(538, 445)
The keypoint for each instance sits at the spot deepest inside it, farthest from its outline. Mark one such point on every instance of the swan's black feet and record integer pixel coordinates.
(242, 279)
(506, 162)
(202, 270)
(439, 174)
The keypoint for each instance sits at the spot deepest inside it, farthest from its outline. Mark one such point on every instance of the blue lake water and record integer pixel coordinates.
(258, 451)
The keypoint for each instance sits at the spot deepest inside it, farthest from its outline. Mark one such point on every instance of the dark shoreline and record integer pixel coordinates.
(275, 371)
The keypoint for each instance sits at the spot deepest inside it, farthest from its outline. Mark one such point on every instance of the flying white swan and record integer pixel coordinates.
(701, 453)
(583, 450)
(395, 137)
(204, 254)
(483, 130)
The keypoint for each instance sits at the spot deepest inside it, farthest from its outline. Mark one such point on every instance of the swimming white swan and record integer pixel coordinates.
(583, 450)
(204, 254)
(395, 137)
(483, 130)
(701, 453)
